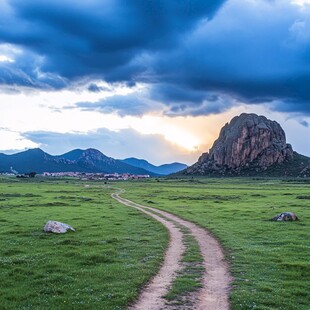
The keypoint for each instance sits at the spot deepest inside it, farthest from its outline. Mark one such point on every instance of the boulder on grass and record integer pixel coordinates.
(285, 216)
(57, 227)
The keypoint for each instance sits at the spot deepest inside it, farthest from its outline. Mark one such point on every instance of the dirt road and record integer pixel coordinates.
(214, 294)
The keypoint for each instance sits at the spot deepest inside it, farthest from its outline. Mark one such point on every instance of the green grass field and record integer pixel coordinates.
(269, 260)
(101, 266)
(116, 249)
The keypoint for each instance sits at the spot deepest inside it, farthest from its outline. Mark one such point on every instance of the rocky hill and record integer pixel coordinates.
(251, 145)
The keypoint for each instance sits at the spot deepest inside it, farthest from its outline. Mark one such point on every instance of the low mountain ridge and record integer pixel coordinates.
(162, 169)
(251, 145)
(35, 160)
(90, 160)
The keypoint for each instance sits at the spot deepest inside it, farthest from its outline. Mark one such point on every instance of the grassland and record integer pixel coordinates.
(116, 249)
(269, 260)
(101, 266)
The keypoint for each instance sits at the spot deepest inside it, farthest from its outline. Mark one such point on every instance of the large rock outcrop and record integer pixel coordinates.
(248, 143)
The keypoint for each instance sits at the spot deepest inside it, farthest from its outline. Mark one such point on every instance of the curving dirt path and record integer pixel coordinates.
(214, 294)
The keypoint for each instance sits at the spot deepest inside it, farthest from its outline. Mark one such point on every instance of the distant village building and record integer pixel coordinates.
(97, 176)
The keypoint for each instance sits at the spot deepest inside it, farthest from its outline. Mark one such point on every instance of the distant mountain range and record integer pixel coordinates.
(90, 160)
(162, 169)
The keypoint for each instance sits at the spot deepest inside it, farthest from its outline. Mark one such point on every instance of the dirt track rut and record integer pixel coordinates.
(214, 294)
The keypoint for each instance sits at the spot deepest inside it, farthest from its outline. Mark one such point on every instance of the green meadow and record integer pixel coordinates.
(116, 249)
(113, 252)
(269, 260)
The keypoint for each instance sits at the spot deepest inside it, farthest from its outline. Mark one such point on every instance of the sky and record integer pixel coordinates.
(151, 79)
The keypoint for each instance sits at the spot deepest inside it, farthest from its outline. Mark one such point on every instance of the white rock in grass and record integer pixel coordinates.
(285, 216)
(57, 227)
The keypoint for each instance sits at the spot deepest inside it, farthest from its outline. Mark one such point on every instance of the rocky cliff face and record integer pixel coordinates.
(249, 141)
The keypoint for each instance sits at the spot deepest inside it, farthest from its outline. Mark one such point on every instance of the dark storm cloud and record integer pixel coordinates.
(252, 52)
(26, 71)
(181, 100)
(133, 104)
(196, 57)
(99, 38)
(94, 88)
(176, 104)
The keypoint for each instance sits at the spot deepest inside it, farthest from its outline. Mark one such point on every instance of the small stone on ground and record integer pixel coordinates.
(285, 216)
(57, 227)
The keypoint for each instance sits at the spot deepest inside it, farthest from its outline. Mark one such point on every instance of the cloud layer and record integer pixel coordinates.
(97, 38)
(194, 57)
